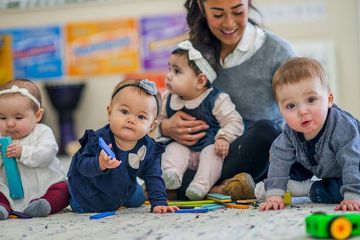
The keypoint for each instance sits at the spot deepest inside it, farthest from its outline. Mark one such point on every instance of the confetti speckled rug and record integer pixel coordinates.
(141, 224)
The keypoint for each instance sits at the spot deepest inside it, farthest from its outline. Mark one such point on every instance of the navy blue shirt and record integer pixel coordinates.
(99, 191)
(202, 112)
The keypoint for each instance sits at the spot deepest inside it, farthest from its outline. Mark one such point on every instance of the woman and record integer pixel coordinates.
(249, 56)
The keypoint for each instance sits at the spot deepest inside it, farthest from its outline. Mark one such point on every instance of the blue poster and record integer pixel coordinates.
(37, 52)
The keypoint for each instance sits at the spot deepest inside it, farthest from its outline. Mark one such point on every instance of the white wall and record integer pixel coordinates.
(92, 108)
(339, 25)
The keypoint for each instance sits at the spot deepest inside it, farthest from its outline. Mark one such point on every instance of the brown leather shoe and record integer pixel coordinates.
(241, 186)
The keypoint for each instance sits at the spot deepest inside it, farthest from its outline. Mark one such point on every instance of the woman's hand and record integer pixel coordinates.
(272, 202)
(348, 205)
(106, 162)
(183, 128)
(165, 209)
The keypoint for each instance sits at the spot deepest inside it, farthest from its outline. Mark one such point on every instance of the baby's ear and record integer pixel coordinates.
(39, 114)
(202, 81)
(108, 110)
(153, 125)
(330, 99)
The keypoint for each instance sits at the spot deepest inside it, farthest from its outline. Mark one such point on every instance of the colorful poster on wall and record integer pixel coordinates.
(37, 52)
(6, 66)
(102, 47)
(159, 36)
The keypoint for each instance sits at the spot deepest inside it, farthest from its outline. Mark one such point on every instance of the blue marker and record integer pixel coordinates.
(193, 210)
(106, 148)
(102, 215)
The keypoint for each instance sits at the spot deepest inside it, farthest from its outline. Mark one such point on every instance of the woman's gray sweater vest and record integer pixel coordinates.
(249, 84)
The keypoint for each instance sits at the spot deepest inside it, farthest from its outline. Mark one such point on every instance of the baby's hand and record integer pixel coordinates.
(348, 205)
(221, 147)
(272, 202)
(14, 150)
(106, 162)
(165, 209)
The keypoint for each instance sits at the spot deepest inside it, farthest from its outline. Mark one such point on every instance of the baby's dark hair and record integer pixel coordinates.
(135, 83)
(207, 53)
(27, 84)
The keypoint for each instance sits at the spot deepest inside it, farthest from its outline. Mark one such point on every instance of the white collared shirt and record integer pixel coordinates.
(252, 40)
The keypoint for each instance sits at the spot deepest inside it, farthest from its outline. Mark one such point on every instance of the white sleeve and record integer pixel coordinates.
(39, 149)
(231, 123)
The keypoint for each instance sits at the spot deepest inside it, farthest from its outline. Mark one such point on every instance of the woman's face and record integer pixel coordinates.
(227, 20)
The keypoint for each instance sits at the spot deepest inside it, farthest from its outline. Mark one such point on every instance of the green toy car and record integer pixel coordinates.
(336, 226)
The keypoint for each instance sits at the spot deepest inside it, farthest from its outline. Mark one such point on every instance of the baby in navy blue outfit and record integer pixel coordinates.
(99, 183)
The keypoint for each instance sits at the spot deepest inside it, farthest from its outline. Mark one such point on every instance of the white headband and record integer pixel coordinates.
(199, 60)
(22, 91)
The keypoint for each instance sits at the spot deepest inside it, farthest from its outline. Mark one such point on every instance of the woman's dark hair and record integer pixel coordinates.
(198, 28)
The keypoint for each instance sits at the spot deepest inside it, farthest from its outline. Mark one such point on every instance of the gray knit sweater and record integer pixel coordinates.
(337, 155)
(249, 84)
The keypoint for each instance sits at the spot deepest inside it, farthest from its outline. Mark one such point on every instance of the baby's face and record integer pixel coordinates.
(17, 116)
(181, 78)
(132, 114)
(304, 105)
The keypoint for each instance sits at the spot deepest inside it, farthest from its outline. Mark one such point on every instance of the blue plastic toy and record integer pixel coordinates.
(106, 148)
(193, 210)
(12, 171)
(102, 215)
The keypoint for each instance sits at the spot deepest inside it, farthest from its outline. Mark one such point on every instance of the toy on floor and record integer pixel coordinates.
(106, 148)
(102, 215)
(186, 207)
(217, 197)
(336, 226)
(193, 210)
(196, 203)
(12, 171)
(213, 207)
(236, 205)
(241, 204)
(287, 198)
(18, 215)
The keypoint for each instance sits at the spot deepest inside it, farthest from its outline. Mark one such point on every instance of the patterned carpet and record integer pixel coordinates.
(141, 224)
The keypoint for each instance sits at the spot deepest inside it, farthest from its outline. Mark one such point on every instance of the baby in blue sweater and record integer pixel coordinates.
(99, 183)
(319, 139)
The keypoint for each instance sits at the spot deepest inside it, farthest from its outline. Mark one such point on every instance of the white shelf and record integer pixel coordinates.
(26, 5)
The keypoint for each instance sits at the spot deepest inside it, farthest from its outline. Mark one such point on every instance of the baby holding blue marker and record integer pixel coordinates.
(100, 183)
(34, 147)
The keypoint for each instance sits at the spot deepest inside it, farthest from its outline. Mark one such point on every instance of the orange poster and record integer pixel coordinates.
(102, 47)
(6, 66)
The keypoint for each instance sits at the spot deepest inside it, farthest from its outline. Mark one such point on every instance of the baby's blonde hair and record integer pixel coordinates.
(297, 69)
(27, 84)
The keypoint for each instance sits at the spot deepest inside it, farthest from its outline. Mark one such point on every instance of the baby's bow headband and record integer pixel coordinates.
(199, 60)
(22, 91)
